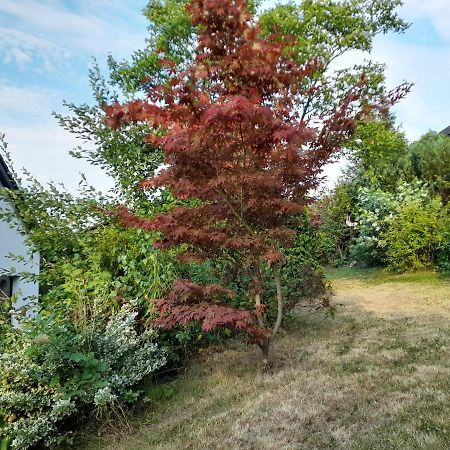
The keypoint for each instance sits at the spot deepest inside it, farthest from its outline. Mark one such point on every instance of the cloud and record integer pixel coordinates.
(35, 140)
(435, 11)
(47, 34)
(48, 16)
(95, 29)
(43, 149)
(26, 104)
(24, 49)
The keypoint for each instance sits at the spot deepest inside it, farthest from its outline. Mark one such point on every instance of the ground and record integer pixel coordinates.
(376, 376)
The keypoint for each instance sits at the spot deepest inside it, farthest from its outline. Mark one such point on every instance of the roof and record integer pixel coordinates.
(446, 131)
(6, 179)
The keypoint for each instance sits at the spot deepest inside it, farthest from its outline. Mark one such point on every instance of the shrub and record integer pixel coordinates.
(335, 235)
(375, 215)
(374, 209)
(442, 241)
(430, 158)
(58, 371)
(409, 238)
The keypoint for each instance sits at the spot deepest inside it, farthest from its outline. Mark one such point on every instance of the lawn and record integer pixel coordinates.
(377, 376)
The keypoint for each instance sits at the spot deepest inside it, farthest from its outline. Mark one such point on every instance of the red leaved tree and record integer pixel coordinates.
(236, 145)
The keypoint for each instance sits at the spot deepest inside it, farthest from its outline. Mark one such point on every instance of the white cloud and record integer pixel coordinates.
(25, 104)
(49, 16)
(24, 48)
(435, 11)
(35, 140)
(42, 32)
(43, 150)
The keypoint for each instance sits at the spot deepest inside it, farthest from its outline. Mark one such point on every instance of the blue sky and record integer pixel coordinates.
(46, 47)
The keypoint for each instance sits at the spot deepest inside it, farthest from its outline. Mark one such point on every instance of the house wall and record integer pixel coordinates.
(11, 241)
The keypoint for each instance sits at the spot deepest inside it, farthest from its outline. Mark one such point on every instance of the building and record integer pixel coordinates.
(24, 292)
(446, 131)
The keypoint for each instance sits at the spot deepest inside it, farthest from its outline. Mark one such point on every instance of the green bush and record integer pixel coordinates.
(59, 370)
(376, 214)
(334, 235)
(301, 272)
(430, 158)
(410, 236)
(442, 241)
(374, 207)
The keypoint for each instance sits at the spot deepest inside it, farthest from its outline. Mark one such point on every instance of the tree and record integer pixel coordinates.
(239, 150)
(335, 214)
(430, 159)
(332, 29)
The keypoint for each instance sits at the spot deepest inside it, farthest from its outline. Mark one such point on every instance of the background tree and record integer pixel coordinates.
(379, 156)
(334, 212)
(332, 29)
(239, 147)
(430, 159)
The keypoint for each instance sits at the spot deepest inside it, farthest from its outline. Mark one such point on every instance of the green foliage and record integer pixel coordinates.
(59, 370)
(430, 157)
(442, 241)
(397, 228)
(409, 238)
(335, 235)
(124, 155)
(401, 222)
(326, 30)
(301, 272)
(374, 208)
(89, 347)
(82, 251)
(380, 156)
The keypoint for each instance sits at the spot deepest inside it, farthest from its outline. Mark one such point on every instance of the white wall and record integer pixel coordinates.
(11, 241)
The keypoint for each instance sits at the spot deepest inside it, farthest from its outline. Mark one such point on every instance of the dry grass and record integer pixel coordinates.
(377, 376)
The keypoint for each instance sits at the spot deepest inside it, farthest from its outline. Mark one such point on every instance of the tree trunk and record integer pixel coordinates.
(258, 289)
(259, 315)
(267, 347)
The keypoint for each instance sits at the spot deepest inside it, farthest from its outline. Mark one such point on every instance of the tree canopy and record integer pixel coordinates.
(237, 145)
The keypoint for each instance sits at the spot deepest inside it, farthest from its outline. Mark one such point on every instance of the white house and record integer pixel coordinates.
(13, 242)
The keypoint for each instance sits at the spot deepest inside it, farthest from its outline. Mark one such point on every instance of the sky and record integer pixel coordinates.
(47, 46)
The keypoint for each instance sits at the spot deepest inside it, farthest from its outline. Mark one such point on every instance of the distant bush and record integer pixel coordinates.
(430, 158)
(380, 240)
(334, 235)
(409, 238)
(442, 241)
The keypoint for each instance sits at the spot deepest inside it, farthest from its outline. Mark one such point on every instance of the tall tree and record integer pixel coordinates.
(324, 28)
(239, 149)
(430, 158)
(379, 156)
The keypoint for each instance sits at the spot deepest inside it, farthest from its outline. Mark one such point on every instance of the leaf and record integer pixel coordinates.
(55, 381)
(5, 443)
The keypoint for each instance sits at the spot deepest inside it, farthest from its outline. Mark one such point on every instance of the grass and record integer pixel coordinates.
(377, 376)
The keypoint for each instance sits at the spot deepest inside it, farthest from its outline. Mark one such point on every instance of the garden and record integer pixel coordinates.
(219, 296)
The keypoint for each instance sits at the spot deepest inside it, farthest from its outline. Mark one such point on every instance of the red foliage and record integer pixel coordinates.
(235, 141)
(190, 302)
